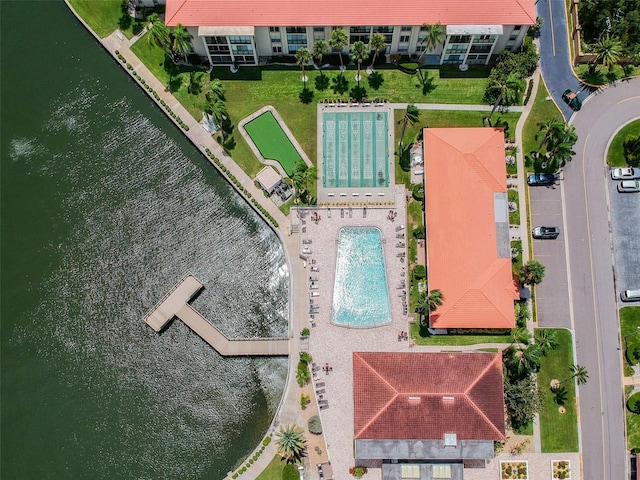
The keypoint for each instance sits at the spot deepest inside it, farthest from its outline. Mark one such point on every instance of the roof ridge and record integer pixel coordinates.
(175, 11)
(473, 384)
(374, 418)
(524, 10)
(480, 168)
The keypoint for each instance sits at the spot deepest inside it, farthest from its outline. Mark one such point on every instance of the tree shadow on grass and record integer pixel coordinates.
(423, 331)
(358, 93)
(375, 80)
(340, 84)
(426, 83)
(404, 159)
(321, 82)
(306, 96)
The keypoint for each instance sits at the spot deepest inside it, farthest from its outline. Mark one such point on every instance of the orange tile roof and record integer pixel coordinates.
(459, 393)
(256, 13)
(464, 167)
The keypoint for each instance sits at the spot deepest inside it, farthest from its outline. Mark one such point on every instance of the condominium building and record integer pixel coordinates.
(247, 32)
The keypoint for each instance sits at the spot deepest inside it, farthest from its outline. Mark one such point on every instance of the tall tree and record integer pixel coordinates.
(320, 49)
(376, 44)
(560, 145)
(302, 175)
(339, 40)
(217, 89)
(547, 339)
(411, 115)
(359, 53)
(303, 57)
(218, 111)
(579, 372)
(531, 273)
(522, 399)
(159, 34)
(435, 299)
(292, 444)
(510, 89)
(433, 36)
(522, 361)
(520, 335)
(549, 130)
(180, 42)
(608, 51)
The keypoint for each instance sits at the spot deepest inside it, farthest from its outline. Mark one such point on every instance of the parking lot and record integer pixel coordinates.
(553, 292)
(625, 229)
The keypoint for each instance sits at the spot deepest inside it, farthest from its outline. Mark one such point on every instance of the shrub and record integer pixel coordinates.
(266, 441)
(633, 353)
(633, 404)
(251, 460)
(418, 191)
(420, 272)
(235, 475)
(357, 471)
(306, 357)
(304, 400)
(304, 332)
(315, 426)
(419, 233)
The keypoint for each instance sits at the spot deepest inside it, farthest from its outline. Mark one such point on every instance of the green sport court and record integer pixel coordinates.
(355, 149)
(272, 142)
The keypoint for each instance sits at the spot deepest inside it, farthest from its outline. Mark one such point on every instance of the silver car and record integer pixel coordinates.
(625, 173)
(629, 186)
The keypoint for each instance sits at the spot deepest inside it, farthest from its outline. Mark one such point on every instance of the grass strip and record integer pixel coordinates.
(615, 155)
(543, 110)
(421, 337)
(558, 431)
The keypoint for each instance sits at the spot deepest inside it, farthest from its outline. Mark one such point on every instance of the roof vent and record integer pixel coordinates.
(448, 399)
(414, 399)
(450, 440)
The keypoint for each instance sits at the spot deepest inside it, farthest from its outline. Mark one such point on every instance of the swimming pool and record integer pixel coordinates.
(360, 292)
(355, 149)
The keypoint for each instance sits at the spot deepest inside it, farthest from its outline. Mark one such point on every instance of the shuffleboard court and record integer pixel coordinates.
(272, 142)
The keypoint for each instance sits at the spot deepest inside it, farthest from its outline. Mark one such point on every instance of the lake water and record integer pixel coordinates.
(104, 207)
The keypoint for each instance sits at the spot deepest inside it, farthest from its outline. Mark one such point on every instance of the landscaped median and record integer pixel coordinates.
(630, 332)
(558, 414)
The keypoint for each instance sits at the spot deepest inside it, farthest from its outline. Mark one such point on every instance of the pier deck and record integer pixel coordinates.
(175, 304)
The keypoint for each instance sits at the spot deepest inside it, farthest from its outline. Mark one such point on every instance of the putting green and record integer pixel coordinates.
(273, 143)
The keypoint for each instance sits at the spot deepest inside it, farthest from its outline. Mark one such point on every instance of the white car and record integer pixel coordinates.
(629, 186)
(627, 173)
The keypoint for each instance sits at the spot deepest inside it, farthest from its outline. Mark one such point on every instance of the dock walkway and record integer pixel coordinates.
(174, 304)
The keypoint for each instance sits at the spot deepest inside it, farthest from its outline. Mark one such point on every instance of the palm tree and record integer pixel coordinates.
(376, 44)
(525, 360)
(608, 51)
(339, 39)
(320, 49)
(181, 42)
(303, 376)
(433, 36)
(411, 115)
(561, 144)
(218, 111)
(520, 335)
(435, 299)
(359, 53)
(579, 373)
(547, 339)
(291, 443)
(549, 129)
(159, 34)
(303, 57)
(510, 90)
(217, 89)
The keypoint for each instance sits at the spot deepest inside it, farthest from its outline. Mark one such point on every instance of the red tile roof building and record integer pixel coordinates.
(449, 402)
(245, 30)
(467, 226)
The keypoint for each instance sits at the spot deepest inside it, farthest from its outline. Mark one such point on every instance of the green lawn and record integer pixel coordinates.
(543, 110)
(104, 16)
(514, 217)
(559, 432)
(273, 143)
(602, 76)
(630, 332)
(454, 340)
(633, 423)
(277, 470)
(615, 155)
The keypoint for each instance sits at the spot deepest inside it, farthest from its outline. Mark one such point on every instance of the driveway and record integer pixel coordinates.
(555, 57)
(552, 295)
(625, 228)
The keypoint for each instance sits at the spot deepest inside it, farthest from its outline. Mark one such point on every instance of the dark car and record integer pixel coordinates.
(540, 179)
(571, 99)
(546, 232)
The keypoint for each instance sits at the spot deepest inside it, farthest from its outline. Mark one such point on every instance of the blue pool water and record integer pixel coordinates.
(360, 292)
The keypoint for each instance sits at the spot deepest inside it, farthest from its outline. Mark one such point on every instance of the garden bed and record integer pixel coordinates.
(514, 470)
(561, 469)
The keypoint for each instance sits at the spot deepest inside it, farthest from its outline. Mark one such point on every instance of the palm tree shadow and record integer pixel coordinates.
(375, 80)
(321, 82)
(306, 96)
(340, 84)
(404, 159)
(427, 82)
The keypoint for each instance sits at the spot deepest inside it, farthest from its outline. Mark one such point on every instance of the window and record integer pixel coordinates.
(221, 58)
(453, 58)
(421, 48)
(240, 39)
(276, 49)
(275, 38)
(242, 49)
(480, 49)
(460, 39)
(405, 29)
(383, 30)
(274, 29)
(360, 29)
(294, 48)
(404, 38)
(477, 59)
(297, 40)
(318, 29)
(296, 29)
(456, 49)
(517, 28)
(510, 45)
(358, 38)
(484, 38)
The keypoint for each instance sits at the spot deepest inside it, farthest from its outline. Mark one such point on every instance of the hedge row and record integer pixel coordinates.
(241, 187)
(144, 84)
(253, 459)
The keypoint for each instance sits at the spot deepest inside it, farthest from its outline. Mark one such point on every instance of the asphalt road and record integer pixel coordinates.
(554, 54)
(591, 279)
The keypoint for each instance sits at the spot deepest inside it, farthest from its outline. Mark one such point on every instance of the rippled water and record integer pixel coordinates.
(105, 207)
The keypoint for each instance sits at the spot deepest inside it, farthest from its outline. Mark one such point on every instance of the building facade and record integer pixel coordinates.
(248, 32)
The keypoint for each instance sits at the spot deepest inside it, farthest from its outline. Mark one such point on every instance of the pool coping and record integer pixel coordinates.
(254, 148)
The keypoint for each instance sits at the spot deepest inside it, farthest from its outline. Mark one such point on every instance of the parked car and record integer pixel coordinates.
(629, 186)
(626, 173)
(546, 232)
(630, 296)
(571, 99)
(540, 179)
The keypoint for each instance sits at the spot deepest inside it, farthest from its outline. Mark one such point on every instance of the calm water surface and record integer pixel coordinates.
(104, 207)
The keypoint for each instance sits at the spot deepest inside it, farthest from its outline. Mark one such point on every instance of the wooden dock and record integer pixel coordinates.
(174, 304)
